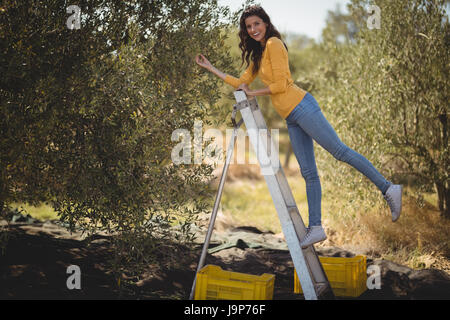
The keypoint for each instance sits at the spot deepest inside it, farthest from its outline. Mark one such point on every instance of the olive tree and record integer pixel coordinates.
(87, 114)
(388, 98)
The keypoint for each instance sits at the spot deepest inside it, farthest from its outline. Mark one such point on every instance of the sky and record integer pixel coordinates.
(298, 16)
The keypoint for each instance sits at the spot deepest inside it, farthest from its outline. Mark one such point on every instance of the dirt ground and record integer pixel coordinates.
(34, 266)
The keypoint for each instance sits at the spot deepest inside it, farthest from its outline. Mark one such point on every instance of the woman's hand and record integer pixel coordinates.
(203, 62)
(244, 87)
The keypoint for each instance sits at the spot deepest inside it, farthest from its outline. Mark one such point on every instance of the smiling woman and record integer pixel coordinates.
(256, 28)
(267, 57)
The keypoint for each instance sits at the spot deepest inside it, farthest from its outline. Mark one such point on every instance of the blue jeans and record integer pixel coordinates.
(305, 123)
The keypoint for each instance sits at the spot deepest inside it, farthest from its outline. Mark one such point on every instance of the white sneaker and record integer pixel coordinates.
(314, 234)
(393, 197)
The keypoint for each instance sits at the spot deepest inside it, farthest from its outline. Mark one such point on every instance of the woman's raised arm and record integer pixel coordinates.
(247, 77)
(204, 63)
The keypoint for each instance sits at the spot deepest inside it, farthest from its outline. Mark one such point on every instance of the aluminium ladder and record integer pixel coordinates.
(310, 272)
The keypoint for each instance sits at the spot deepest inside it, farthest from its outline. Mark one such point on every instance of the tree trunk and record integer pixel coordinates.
(288, 155)
(443, 199)
(1, 199)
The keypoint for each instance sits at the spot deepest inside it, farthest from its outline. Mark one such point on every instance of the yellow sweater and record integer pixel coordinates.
(274, 72)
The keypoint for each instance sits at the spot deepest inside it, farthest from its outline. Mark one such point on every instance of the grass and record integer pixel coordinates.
(42, 212)
(419, 239)
(250, 203)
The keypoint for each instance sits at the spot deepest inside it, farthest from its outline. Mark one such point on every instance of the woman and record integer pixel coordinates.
(262, 43)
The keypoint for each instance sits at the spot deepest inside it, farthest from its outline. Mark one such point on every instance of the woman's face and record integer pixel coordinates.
(256, 28)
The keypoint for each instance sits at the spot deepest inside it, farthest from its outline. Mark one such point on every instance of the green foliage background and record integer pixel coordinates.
(388, 98)
(86, 116)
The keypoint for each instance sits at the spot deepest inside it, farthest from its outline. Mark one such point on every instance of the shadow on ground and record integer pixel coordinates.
(37, 255)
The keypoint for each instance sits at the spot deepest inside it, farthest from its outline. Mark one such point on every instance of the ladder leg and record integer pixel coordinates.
(215, 208)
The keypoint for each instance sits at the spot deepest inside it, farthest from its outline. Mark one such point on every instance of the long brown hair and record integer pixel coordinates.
(252, 49)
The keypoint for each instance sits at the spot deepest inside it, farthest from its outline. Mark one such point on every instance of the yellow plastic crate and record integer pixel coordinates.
(347, 276)
(213, 283)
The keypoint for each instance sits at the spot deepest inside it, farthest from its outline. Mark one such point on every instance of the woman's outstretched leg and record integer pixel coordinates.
(308, 116)
(314, 123)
